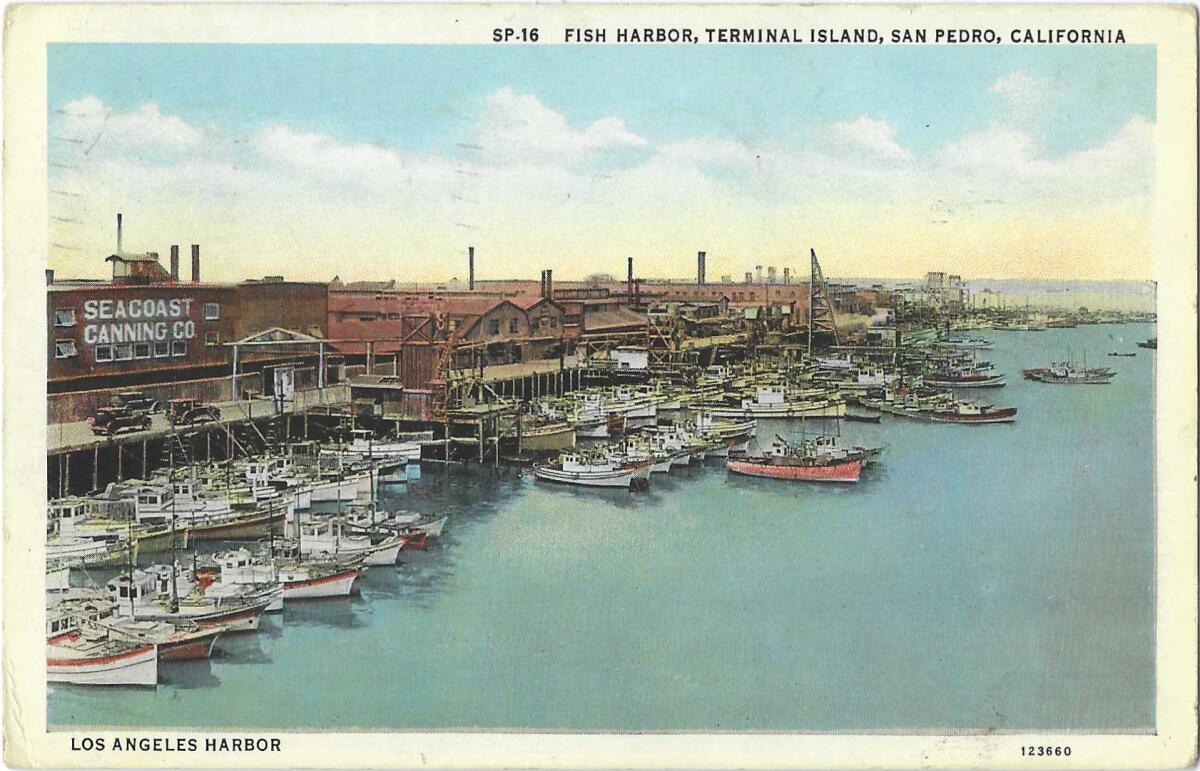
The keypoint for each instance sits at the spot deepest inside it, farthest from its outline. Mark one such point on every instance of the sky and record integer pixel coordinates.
(388, 161)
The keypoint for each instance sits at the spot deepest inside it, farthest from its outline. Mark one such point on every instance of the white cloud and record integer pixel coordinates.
(546, 184)
(876, 137)
(1021, 90)
(520, 128)
(95, 127)
(1001, 157)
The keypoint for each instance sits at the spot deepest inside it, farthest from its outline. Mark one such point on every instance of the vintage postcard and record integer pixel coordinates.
(618, 386)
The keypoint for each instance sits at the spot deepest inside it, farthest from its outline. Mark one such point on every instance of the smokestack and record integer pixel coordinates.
(787, 275)
(749, 277)
(542, 287)
(471, 268)
(700, 268)
(629, 276)
(549, 284)
(49, 276)
(758, 273)
(175, 262)
(770, 274)
(118, 232)
(195, 263)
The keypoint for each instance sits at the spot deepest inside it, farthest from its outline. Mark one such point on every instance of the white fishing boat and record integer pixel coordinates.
(85, 654)
(773, 402)
(237, 572)
(365, 446)
(157, 595)
(329, 538)
(337, 490)
(318, 579)
(590, 471)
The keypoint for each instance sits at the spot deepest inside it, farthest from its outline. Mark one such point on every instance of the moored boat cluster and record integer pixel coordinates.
(280, 549)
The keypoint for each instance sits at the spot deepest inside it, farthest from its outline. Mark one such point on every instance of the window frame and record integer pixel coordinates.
(149, 354)
(178, 349)
(58, 324)
(212, 338)
(216, 313)
(119, 348)
(97, 350)
(68, 341)
(166, 349)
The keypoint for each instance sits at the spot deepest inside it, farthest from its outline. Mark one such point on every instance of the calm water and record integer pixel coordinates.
(987, 577)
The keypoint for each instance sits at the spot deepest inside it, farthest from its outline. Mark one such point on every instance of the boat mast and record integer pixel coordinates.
(171, 490)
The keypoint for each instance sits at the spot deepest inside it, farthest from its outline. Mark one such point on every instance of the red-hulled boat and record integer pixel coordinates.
(808, 461)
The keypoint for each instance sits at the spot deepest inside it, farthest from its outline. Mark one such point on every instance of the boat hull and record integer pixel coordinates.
(384, 556)
(188, 650)
(242, 528)
(617, 478)
(548, 439)
(1006, 415)
(135, 667)
(849, 471)
(335, 585)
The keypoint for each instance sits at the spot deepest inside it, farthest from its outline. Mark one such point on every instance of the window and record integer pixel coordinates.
(553, 322)
(123, 352)
(512, 325)
(212, 311)
(179, 347)
(64, 349)
(494, 326)
(162, 348)
(64, 317)
(212, 338)
(104, 353)
(141, 350)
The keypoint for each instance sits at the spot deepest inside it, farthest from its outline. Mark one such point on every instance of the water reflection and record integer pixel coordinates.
(242, 648)
(332, 612)
(188, 675)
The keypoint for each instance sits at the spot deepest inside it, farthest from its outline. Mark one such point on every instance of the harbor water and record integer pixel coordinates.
(979, 578)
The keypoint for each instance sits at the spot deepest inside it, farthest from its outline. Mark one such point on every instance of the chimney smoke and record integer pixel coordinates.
(175, 262)
(195, 263)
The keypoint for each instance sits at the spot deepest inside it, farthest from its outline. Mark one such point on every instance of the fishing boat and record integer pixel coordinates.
(971, 413)
(78, 517)
(365, 446)
(1122, 353)
(1151, 343)
(178, 641)
(589, 470)
(329, 538)
(773, 402)
(318, 579)
(169, 593)
(1068, 373)
(545, 435)
(85, 654)
(804, 461)
(237, 571)
(862, 414)
(89, 552)
(966, 344)
(965, 377)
